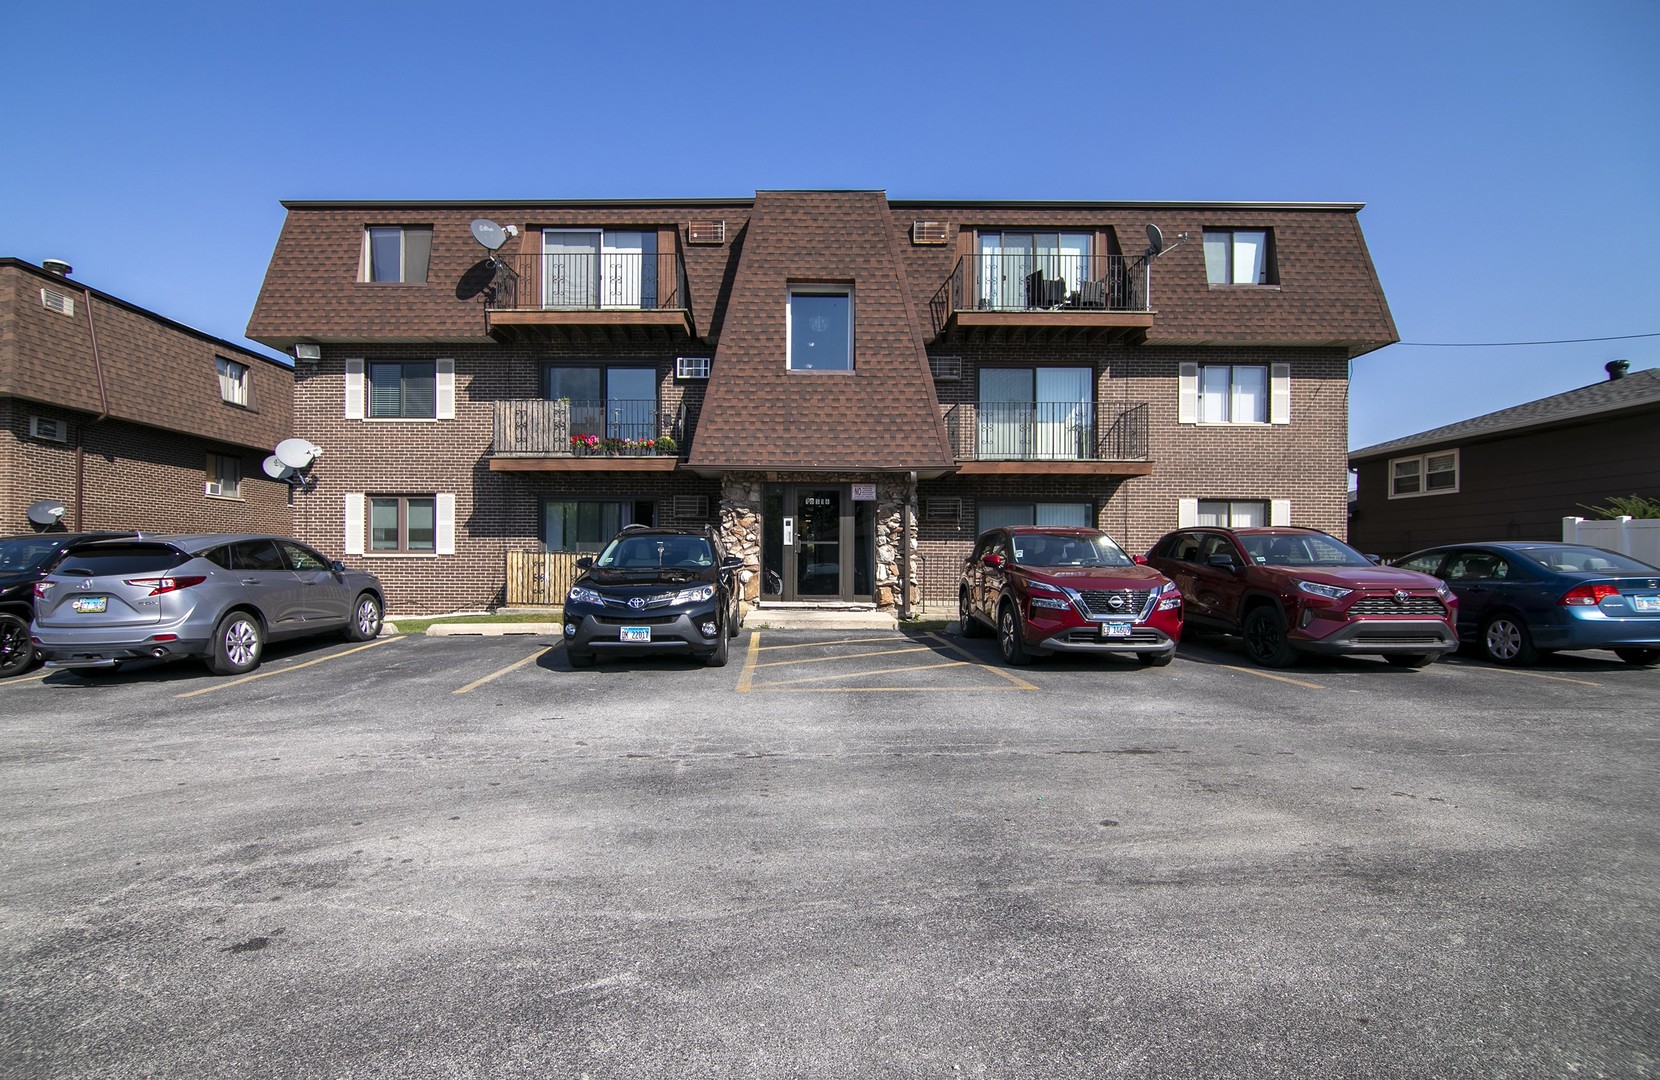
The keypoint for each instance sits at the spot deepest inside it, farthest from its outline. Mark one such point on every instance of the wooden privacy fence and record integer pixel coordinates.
(540, 578)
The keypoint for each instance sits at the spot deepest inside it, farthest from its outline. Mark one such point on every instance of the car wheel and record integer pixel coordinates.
(1011, 636)
(1410, 660)
(1265, 638)
(237, 644)
(17, 653)
(1505, 640)
(1156, 659)
(967, 624)
(365, 624)
(1638, 657)
(718, 657)
(579, 659)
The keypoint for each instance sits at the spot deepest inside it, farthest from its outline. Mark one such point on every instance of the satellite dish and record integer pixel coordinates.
(297, 453)
(489, 233)
(45, 512)
(276, 470)
(1155, 240)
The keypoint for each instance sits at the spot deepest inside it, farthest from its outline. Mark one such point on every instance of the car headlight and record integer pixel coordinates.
(697, 594)
(1044, 595)
(1330, 592)
(580, 595)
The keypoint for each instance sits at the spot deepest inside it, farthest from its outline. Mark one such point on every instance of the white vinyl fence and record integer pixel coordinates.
(1637, 537)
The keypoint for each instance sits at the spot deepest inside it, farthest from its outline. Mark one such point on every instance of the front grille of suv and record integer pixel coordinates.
(1385, 605)
(1134, 601)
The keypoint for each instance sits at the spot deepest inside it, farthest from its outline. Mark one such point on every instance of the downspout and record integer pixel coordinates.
(905, 547)
(80, 429)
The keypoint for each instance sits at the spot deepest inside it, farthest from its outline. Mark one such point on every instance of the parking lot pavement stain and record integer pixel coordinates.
(286, 669)
(753, 665)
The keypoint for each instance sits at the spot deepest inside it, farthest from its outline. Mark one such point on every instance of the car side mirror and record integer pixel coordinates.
(1375, 560)
(337, 566)
(1140, 560)
(585, 563)
(731, 562)
(1224, 562)
(992, 559)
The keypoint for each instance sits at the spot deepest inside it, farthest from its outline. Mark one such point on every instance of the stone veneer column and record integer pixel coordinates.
(740, 528)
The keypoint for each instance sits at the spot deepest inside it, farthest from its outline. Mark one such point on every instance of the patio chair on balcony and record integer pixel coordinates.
(1043, 293)
(1090, 294)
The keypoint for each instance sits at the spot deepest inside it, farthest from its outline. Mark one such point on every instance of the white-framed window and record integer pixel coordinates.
(1232, 513)
(819, 328)
(400, 524)
(586, 524)
(1239, 257)
(222, 477)
(397, 253)
(1234, 393)
(400, 390)
(1423, 474)
(997, 515)
(233, 381)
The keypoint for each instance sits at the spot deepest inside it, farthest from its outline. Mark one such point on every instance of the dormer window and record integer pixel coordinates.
(397, 253)
(1239, 257)
(820, 328)
(233, 381)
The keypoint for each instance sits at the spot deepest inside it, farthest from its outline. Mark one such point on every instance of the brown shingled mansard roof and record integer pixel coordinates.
(760, 414)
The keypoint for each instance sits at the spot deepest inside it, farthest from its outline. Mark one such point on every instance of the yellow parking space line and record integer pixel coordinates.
(1276, 678)
(282, 671)
(1538, 675)
(747, 677)
(959, 650)
(848, 656)
(28, 679)
(857, 674)
(516, 665)
(841, 641)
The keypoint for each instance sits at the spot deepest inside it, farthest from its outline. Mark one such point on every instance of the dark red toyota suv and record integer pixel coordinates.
(1045, 590)
(1288, 591)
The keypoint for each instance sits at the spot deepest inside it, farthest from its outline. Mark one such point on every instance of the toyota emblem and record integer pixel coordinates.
(1401, 596)
(638, 603)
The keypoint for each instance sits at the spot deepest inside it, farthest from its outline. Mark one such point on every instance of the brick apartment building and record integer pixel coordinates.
(128, 419)
(849, 388)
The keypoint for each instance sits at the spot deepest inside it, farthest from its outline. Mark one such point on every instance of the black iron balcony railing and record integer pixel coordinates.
(1047, 431)
(609, 428)
(1045, 282)
(590, 281)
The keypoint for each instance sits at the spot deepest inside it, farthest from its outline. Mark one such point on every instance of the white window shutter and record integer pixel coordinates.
(354, 389)
(446, 523)
(1187, 513)
(1279, 395)
(354, 523)
(1279, 512)
(446, 389)
(1187, 388)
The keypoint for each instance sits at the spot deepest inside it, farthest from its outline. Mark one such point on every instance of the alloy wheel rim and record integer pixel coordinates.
(1503, 639)
(239, 642)
(1006, 637)
(367, 617)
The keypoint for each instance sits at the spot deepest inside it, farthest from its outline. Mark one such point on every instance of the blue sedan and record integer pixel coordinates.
(1517, 600)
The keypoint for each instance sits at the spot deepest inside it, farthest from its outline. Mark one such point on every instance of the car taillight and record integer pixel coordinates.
(42, 588)
(1587, 595)
(159, 585)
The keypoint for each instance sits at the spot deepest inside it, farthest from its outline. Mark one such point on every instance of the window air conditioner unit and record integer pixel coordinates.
(942, 509)
(946, 368)
(60, 302)
(706, 232)
(43, 427)
(689, 507)
(214, 488)
(691, 367)
(928, 232)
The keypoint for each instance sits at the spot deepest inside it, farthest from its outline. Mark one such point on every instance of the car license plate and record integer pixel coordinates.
(1646, 603)
(90, 605)
(636, 633)
(1116, 629)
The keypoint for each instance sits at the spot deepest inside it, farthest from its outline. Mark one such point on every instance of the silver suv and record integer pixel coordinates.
(218, 597)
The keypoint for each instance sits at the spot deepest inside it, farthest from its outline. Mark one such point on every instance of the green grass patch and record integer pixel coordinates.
(419, 626)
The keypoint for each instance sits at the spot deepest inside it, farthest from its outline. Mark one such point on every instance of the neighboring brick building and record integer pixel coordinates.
(1513, 474)
(131, 420)
(848, 387)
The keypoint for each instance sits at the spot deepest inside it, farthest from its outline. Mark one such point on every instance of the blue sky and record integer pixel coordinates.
(1508, 153)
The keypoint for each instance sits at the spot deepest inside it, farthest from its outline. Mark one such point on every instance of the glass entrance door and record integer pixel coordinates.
(818, 563)
(816, 543)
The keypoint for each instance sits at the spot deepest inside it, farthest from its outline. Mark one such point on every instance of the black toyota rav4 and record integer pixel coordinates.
(654, 590)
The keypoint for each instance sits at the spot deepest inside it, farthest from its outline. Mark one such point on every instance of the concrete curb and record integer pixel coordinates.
(458, 629)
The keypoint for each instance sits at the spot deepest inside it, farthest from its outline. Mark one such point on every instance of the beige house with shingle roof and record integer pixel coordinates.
(848, 387)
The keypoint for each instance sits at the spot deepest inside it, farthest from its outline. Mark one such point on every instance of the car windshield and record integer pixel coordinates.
(120, 559)
(654, 552)
(1314, 551)
(1080, 549)
(1595, 560)
(26, 554)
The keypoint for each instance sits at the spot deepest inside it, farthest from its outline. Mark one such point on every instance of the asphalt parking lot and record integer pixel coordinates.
(862, 854)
